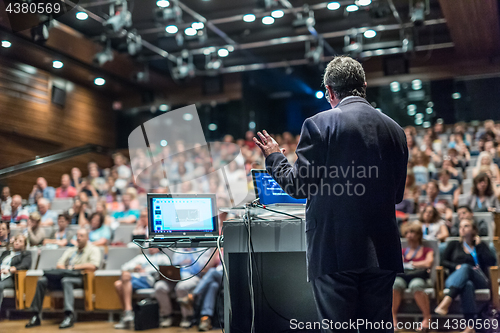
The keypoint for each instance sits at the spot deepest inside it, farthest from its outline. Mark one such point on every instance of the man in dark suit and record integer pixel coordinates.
(351, 166)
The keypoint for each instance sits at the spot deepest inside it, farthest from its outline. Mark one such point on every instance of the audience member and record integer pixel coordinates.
(66, 190)
(98, 234)
(48, 216)
(34, 232)
(12, 260)
(41, 187)
(61, 236)
(128, 215)
(432, 191)
(17, 213)
(468, 262)
(139, 274)
(84, 256)
(78, 213)
(4, 234)
(141, 228)
(5, 202)
(433, 226)
(485, 164)
(465, 213)
(483, 197)
(76, 178)
(417, 262)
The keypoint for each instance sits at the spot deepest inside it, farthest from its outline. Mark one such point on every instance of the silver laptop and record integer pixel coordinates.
(174, 217)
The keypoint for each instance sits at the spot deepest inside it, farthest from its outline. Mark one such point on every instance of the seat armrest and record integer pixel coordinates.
(439, 283)
(107, 272)
(88, 286)
(494, 286)
(20, 277)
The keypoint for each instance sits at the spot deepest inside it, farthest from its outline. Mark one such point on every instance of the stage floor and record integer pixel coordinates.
(51, 326)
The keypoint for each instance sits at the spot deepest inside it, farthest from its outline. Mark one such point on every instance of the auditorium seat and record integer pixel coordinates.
(123, 234)
(468, 172)
(61, 204)
(448, 198)
(467, 186)
(462, 199)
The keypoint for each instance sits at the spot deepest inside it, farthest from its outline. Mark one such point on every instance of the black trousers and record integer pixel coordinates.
(355, 301)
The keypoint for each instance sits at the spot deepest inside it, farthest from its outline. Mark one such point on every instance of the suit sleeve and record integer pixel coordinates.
(25, 261)
(404, 165)
(310, 152)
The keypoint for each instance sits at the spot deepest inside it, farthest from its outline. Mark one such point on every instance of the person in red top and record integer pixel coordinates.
(65, 190)
(417, 262)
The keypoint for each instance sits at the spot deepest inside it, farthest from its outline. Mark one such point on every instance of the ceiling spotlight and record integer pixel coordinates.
(249, 17)
(40, 33)
(171, 29)
(416, 84)
(6, 44)
(121, 18)
(370, 33)
(213, 64)
(230, 48)
(207, 51)
(57, 64)
(363, 2)
(352, 8)
(319, 94)
(395, 86)
(163, 107)
(223, 53)
(197, 25)
(277, 13)
(418, 121)
(212, 127)
(183, 70)
(100, 58)
(268, 20)
(429, 110)
(99, 81)
(82, 16)
(456, 95)
(430, 104)
(333, 6)
(419, 116)
(427, 124)
(162, 3)
(190, 31)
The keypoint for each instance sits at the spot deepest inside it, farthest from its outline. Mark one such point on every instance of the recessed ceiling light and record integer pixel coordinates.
(268, 20)
(212, 127)
(99, 81)
(82, 16)
(171, 29)
(57, 64)
(370, 33)
(230, 48)
(333, 6)
(6, 44)
(162, 3)
(190, 31)
(352, 8)
(363, 2)
(277, 13)
(163, 107)
(223, 53)
(197, 25)
(249, 17)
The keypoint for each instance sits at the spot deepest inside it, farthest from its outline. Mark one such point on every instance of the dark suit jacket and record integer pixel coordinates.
(20, 262)
(345, 230)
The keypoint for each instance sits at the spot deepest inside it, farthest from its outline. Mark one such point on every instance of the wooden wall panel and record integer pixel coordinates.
(30, 125)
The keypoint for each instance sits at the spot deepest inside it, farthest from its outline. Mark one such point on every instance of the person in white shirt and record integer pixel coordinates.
(137, 273)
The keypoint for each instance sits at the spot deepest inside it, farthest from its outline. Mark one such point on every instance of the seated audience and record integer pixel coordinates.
(485, 162)
(432, 191)
(422, 168)
(66, 190)
(433, 226)
(465, 213)
(48, 216)
(78, 213)
(41, 187)
(99, 234)
(141, 228)
(17, 213)
(5, 202)
(468, 261)
(100, 207)
(411, 194)
(35, 233)
(84, 256)
(483, 197)
(61, 236)
(95, 179)
(138, 274)
(76, 178)
(134, 202)
(191, 265)
(12, 260)
(4, 234)
(128, 215)
(445, 186)
(417, 262)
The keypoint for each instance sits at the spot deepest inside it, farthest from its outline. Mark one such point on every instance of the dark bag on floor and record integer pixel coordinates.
(147, 315)
(54, 276)
(489, 317)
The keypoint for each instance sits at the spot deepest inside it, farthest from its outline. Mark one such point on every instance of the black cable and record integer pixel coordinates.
(278, 212)
(179, 266)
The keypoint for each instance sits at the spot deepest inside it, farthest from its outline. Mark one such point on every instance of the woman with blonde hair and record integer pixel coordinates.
(485, 162)
(14, 259)
(417, 262)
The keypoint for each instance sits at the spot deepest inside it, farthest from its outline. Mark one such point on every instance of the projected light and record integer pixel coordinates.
(190, 31)
(57, 64)
(352, 8)
(319, 94)
(267, 20)
(163, 107)
(197, 25)
(249, 17)
(6, 44)
(162, 3)
(82, 16)
(370, 33)
(223, 53)
(277, 13)
(99, 81)
(171, 29)
(333, 6)
(212, 127)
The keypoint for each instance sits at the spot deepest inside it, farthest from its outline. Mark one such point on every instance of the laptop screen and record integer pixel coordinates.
(182, 214)
(269, 192)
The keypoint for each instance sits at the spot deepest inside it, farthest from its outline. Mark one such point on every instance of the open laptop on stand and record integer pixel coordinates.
(182, 217)
(270, 193)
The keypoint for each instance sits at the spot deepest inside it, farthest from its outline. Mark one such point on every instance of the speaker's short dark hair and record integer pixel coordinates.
(346, 77)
